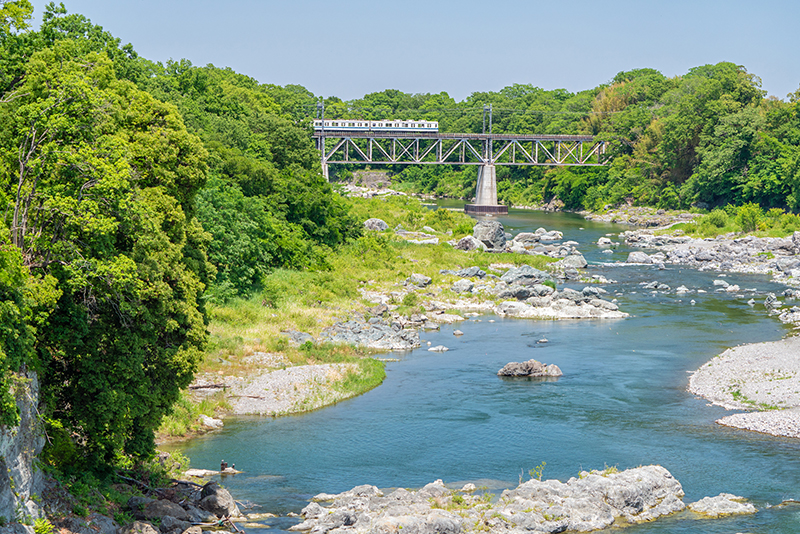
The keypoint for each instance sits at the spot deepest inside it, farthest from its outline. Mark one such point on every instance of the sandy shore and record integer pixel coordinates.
(761, 376)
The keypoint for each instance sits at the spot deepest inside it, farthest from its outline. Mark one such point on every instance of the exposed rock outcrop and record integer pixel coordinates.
(375, 334)
(532, 368)
(20, 480)
(593, 501)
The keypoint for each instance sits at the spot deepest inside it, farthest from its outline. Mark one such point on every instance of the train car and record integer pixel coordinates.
(358, 125)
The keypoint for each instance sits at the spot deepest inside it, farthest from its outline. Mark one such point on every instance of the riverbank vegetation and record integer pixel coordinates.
(159, 218)
(749, 218)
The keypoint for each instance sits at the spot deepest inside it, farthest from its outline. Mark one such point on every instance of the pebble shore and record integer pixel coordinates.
(294, 389)
(760, 376)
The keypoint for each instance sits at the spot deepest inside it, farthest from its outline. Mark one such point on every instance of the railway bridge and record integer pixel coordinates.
(485, 150)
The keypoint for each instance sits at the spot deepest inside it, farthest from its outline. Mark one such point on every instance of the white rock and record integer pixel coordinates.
(722, 504)
(210, 422)
(438, 348)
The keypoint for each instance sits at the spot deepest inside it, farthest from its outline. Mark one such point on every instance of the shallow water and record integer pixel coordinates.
(621, 402)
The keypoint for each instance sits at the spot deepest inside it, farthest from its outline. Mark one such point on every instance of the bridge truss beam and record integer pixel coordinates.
(459, 149)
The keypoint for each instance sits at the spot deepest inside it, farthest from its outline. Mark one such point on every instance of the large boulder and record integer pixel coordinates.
(532, 368)
(376, 225)
(490, 233)
(419, 280)
(517, 291)
(462, 286)
(524, 275)
(527, 237)
(218, 501)
(637, 256)
(163, 508)
(575, 260)
(469, 243)
(470, 272)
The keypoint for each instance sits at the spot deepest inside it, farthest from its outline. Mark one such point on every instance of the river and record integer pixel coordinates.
(622, 402)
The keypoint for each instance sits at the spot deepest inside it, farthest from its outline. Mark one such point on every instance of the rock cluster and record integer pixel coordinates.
(595, 500)
(744, 254)
(531, 368)
(182, 513)
(210, 505)
(490, 236)
(375, 333)
(564, 304)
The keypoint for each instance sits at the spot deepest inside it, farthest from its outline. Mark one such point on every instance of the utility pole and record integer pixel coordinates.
(483, 130)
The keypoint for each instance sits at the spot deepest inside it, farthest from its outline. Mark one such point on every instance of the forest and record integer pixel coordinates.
(135, 194)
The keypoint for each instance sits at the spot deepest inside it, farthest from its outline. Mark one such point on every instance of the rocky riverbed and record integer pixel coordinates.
(749, 254)
(594, 500)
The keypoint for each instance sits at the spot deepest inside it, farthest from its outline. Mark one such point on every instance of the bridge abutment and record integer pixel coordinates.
(486, 193)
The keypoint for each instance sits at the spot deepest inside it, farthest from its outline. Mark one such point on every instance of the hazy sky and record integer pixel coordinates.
(348, 48)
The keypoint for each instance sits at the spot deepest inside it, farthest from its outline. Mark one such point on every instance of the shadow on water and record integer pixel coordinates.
(621, 402)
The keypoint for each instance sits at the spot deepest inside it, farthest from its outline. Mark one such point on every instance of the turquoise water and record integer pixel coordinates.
(621, 402)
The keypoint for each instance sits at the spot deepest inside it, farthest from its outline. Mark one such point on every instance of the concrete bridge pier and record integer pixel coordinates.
(486, 194)
(325, 172)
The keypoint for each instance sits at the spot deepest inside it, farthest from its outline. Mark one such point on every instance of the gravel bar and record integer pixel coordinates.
(759, 376)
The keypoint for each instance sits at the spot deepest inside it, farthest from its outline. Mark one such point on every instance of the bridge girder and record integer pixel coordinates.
(459, 149)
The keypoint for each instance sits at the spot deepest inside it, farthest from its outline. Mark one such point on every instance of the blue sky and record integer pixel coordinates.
(348, 48)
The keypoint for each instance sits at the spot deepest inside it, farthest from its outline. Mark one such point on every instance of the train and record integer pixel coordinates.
(360, 125)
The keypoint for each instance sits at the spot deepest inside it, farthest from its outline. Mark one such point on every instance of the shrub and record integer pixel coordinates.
(410, 300)
(717, 218)
(748, 216)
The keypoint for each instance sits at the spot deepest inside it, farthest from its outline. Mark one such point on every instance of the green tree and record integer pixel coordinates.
(103, 178)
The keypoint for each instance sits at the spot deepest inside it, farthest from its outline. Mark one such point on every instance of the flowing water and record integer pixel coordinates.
(622, 402)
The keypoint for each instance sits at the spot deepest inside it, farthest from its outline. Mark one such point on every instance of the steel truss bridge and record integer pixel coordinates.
(428, 148)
